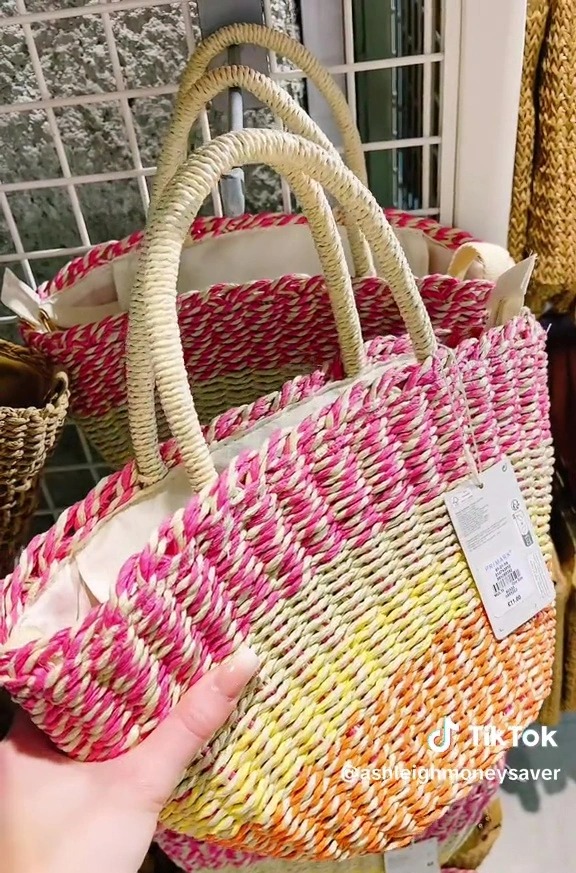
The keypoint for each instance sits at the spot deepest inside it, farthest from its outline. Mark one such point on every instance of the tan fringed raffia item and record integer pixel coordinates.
(543, 215)
(33, 406)
(551, 711)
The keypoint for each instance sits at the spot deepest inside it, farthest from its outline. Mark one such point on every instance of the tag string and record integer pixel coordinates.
(472, 458)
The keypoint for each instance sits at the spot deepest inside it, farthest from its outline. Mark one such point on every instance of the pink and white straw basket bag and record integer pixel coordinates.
(258, 276)
(310, 524)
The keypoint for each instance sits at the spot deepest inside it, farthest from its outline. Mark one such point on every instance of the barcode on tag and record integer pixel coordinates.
(505, 582)
(510, 577)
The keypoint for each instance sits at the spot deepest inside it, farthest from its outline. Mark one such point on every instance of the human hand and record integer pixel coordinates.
(64, 816)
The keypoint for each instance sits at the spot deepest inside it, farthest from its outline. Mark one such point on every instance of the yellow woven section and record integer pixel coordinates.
(543, 215)
(449, 596)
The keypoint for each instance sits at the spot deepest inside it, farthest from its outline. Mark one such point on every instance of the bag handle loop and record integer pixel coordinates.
(153, 312)
(187, 111)
(281, 44)
(494, 260)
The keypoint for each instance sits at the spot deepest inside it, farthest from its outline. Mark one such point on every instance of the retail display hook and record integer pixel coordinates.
(214, 14)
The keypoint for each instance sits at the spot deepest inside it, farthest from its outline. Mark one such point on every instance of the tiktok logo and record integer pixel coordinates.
(441, 739)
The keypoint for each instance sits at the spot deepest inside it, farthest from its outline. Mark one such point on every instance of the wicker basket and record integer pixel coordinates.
(33, 406)
(380, 561)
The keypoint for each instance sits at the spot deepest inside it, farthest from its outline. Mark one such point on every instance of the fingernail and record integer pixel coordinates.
(236, 671)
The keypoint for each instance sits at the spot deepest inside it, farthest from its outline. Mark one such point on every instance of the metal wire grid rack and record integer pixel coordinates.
(393, 86)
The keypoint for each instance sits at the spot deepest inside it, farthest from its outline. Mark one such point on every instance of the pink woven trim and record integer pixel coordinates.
(520, 338)
(273, 324)
(205, 227)
(466, 813)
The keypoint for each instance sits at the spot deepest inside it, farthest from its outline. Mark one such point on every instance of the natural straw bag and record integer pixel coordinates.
(33, 405)
(312, 525)
(265, 317)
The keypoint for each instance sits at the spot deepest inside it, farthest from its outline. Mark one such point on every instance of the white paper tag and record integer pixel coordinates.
(498, 540)
(418, 858)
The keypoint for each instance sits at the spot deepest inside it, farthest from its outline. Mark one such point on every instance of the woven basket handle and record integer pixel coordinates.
(283, 45)
(187, 111)
(153, 313)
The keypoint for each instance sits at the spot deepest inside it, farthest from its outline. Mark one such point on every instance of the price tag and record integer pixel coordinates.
(497, 537)
(418, 858)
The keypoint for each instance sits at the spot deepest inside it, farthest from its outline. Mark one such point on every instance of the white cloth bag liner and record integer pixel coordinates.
(236, 258)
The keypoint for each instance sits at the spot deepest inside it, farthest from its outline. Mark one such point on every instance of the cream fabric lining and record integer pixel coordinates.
(237, 258)
(88, 576)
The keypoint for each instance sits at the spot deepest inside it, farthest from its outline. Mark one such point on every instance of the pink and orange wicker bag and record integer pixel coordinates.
(310, 523)
(261, 274)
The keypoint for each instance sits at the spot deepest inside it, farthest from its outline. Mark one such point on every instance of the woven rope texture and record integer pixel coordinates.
(276, 767)
(269, 331)
(543, 217)
(33, 405)
(329, 549)
(453, 830)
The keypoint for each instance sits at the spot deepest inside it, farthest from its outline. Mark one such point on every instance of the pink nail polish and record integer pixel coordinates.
(234, 673)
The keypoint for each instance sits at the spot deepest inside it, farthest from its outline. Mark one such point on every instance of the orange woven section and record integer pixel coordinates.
(471, 654)
(543, 215)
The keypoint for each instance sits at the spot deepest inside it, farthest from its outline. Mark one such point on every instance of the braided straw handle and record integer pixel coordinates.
(153, 312)
(205, 89)
(285, 46)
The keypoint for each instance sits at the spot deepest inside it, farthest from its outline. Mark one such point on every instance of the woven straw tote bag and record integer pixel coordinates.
(311, 524)
(259, 275)
(33, 405)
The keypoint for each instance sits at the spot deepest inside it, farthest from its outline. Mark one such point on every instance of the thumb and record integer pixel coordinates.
(161, 759)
